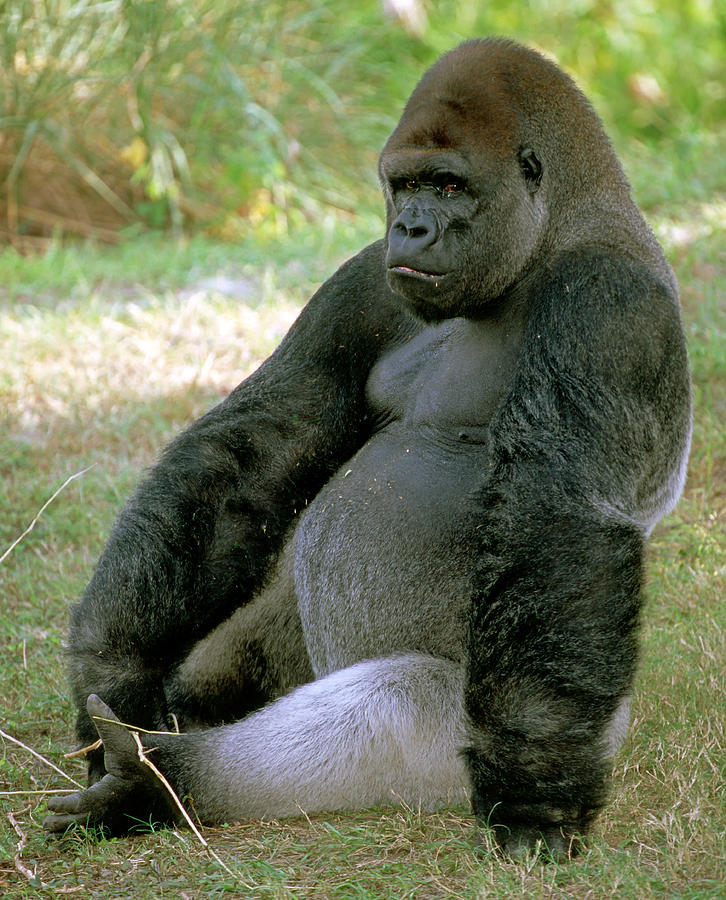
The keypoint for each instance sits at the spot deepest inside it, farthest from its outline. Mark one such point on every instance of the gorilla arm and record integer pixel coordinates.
(588, 452)
(199, 536)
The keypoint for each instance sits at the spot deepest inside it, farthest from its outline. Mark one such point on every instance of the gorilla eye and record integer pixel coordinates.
(452, 187)
(412, 184)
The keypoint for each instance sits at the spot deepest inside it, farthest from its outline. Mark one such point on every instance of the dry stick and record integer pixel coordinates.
(144, 759)
(42, 792)
(130, 728)
(2, 559)
(41, 511)
(9, 737)
(82, 751)
(24, 870)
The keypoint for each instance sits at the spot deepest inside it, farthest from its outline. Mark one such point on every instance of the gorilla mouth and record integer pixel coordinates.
(416, 273)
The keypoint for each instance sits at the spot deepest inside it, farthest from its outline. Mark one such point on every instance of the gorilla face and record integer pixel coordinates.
(432, 208)
(464, 208)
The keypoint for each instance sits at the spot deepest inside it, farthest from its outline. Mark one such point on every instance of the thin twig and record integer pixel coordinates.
(32, 877)
(9, 737)
(33, 793)
(23, 869)
(41, 511)
(133, 728)
(144, 759)
(147, 762)
(82, 751)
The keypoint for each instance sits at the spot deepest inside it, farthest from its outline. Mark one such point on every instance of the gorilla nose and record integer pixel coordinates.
(413, 230)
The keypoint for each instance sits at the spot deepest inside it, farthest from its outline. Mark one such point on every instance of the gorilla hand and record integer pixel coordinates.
(129, 791)
(548, 840)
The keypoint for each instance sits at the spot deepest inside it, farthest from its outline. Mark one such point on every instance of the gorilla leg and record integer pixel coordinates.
(380, 731)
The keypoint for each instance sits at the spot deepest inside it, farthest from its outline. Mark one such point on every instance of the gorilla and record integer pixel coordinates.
(403, 560)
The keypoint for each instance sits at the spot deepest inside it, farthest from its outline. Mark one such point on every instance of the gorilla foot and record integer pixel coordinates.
(129, 793)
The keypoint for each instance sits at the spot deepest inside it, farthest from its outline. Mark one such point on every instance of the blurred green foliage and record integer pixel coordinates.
(223, 114)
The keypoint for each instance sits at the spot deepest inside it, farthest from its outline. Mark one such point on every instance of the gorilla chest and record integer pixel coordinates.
(383, 553)
(449, 376)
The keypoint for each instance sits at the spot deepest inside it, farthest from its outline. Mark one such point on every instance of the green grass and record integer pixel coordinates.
(171, 114)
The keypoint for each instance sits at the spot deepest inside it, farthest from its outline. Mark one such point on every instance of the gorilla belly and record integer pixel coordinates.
(381, 553)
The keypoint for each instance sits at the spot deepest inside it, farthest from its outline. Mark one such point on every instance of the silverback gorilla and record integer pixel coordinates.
(403, 560)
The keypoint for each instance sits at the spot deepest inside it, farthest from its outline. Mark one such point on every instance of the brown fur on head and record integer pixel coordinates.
(498, 95)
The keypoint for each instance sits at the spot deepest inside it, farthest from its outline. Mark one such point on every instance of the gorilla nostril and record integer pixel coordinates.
(415, 229)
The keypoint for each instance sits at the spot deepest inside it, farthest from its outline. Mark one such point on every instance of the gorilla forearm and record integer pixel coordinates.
(552, 655)
(566, 505)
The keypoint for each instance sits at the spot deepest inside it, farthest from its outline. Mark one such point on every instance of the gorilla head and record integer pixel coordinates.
(481, 172)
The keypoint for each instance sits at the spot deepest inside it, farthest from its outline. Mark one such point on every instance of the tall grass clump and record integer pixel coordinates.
(165, 111)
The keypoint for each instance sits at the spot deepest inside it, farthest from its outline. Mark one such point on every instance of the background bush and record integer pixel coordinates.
(222, 114)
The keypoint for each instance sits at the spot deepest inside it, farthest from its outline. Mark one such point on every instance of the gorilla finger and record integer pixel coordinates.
(548, 844)
(70, 804)
(59, 824)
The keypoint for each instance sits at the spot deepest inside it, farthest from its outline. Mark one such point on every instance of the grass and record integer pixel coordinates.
(102, 360)
(177, 114)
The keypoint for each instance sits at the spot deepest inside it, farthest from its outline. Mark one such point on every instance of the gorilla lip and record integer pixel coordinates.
(408, 271)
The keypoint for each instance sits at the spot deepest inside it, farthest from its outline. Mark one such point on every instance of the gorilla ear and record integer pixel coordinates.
(531, 167)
